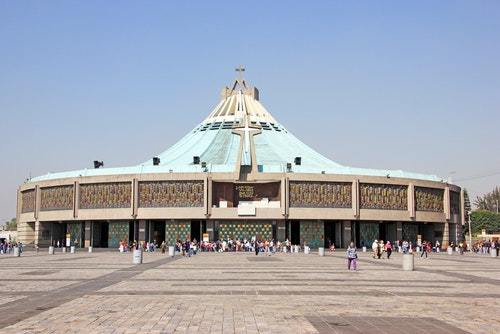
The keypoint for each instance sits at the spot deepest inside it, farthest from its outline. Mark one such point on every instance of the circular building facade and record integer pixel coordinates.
(238, 174)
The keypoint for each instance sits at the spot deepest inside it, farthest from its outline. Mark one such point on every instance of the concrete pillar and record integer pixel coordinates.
(355, 198)
(88, 234)
(446, 204)
(280, 230)
(142, 231)
(399, 231)
(411, 200)
(338, 234)
(446, 236)
(210, 229)
(346, 233)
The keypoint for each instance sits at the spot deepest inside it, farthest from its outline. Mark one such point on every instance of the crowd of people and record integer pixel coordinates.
(7, 247)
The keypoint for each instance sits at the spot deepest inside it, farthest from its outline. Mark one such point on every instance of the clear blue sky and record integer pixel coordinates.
(381, 84)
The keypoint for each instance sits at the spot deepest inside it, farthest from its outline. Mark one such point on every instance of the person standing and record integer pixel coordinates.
(352, 257)
(388, 249)
(380, 249)
(375, 248)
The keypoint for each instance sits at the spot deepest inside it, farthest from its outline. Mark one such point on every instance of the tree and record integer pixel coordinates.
(484, 219)
(11, 225)
(489, 201)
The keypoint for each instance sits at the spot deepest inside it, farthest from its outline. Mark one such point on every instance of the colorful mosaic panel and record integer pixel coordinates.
(429, 199)
(105, 195)
(28, 201)
(410, 232)
(56, 198)
(118, 231)
(166, 194)
(368, 232)
(238, 230)
(177, 231)
(320, 194)
(454, 202)
(312, 233)
(75, 232)
(383, 196)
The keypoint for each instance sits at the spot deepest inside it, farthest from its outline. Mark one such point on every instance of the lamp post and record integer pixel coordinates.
(470, 232)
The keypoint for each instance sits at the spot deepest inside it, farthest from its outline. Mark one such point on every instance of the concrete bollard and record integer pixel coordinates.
(306, 249)
(408, 262)
(321, 251)
(457, 249)
(450, 250)
(137, 258)
(364, 249)
(418, 249)
(17, 253)
(171, 251)
(72, 250)
(493, 252)
(64, 249)
(51, 250)
(90, 249)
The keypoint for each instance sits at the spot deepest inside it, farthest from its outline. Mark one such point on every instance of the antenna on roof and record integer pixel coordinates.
(240, 71)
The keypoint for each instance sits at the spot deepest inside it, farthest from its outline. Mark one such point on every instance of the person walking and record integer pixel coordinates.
(424, 249)
(352, 257)
(388, 249)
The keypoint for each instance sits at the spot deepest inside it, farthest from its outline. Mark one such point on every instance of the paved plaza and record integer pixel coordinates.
(104, 292)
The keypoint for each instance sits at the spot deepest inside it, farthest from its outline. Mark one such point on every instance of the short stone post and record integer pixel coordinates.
(90, 249)
(364, 249)
(450, 250)
(17, 253)
(171, 251)
(306, 249)
(493, 252)
(72, 250)
(321, 251)
(64, 249)
(408, 262)
(51, 250)
(137, 258)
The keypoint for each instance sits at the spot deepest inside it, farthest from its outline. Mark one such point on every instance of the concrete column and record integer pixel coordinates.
(207, 183)
(447, 211)
(38, 196)
(210, 229)
(88, 234)
(135, 197)
(76, 198)
(280, 230)
(446, 236)
(399, 231)
(142, 231)
(355, 198)
(338, 234)
(411, 200)
(346, 233)
(462, 208)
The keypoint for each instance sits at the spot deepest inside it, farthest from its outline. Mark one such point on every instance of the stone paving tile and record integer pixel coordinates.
(239, 293)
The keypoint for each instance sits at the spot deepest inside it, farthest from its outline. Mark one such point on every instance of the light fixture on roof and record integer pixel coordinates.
(156, 161)
(203, 164)
(196, 160)
(322, 172)
(298, 161)
(288, 167)
(98, 164)
(388, 176)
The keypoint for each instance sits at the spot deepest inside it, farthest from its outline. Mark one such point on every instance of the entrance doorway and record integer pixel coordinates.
(195, 230)
(158, 232)
(329, 233)
(100, 234)
(295, 232)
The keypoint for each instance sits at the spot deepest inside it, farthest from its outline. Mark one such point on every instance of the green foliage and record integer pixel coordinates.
(489, 201)
(11, 225)
(484, 219)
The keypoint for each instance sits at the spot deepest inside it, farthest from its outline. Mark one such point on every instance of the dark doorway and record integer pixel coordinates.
(100, 234)
(158, 232)
(295, 232)
(195, 230)
(131, 234)
(329, 234)
(382, 231)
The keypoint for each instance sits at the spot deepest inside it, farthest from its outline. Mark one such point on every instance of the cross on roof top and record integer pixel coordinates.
(240, 71)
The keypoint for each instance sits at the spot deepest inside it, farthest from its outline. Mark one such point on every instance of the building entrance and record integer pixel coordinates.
(295, 232)
(329, 233)
(158, 235)
(100, 234)
(195, 230)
